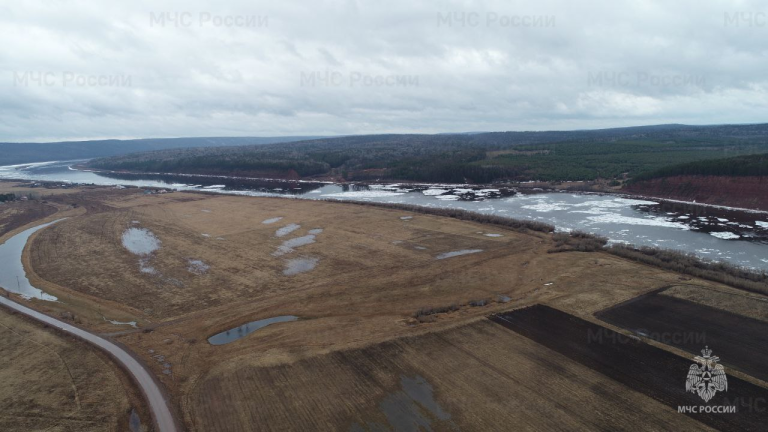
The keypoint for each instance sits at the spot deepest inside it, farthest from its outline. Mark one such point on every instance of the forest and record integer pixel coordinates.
(462, 158)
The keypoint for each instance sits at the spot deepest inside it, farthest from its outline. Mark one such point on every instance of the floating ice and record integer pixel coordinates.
(762, 224)
(434, 192)
(725, 235)
(545, 207)
(364, 194)
(619, 219)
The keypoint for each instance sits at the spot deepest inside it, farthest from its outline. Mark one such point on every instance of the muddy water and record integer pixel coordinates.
(13, 278)
(244, 330)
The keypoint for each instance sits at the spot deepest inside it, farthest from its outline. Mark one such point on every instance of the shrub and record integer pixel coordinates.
(681, 262)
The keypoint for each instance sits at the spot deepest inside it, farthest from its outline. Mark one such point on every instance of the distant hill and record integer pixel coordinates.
(459, 158)
(17, 153)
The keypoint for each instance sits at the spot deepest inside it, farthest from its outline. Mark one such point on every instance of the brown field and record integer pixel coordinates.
(644, 368)
(55, 383)
(374, 272)
(725, 298)
(742, 342)
(479, 376)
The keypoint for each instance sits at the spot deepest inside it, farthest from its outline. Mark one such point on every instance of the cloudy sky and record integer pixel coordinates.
(127, 69)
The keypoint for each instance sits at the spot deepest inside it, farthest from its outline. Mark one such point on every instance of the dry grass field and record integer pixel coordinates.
(218, 265)
(55, 383)
(479, 376)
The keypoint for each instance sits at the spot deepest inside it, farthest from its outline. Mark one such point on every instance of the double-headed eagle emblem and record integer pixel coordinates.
(706, 377)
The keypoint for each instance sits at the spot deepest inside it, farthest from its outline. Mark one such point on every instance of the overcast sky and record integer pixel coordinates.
(132, 69)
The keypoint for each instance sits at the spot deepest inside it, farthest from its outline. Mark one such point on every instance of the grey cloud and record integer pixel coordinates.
(601, 64)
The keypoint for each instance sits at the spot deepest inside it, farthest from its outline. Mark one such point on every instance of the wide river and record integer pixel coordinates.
(739, 237)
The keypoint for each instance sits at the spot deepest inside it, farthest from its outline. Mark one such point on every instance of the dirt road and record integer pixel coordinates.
(156, 401)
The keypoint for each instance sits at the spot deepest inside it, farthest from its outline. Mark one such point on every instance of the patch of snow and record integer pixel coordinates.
(493, 235)
(272, 220)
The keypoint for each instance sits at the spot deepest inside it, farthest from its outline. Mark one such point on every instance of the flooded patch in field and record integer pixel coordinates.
(272, 220)
(284, 231)
(236, 333)
(299, 265)
(13, 278)
(412, 408)
(457, 253)
(140, 241)
(134, 422)
(197, 267)
(144, 266)
(289, 246)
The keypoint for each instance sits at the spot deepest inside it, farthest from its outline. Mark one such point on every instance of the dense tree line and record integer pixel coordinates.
(741, 166)
(460, 158)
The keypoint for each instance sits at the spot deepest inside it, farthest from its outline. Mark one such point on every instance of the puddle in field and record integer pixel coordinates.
(271, 221)
(13, 278)
(457, 253)
(134, 421)
(236, 333)
(289, 245)
(284, 231)
(412, 408)
(299, 265)
(197, 267)
(140, 241)
(115, 322)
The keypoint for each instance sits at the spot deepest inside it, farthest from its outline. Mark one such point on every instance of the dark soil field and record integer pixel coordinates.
(641, 367)
(740, 341)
